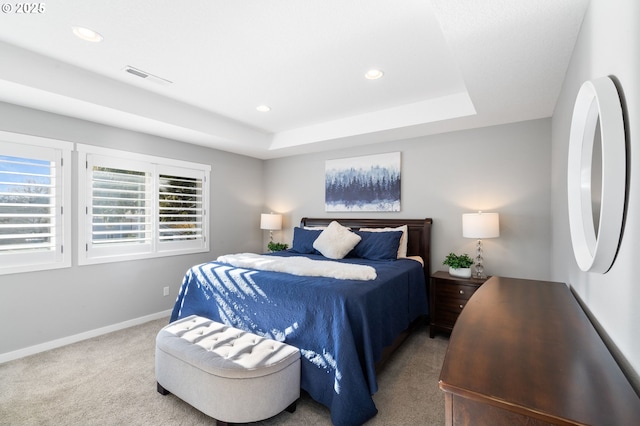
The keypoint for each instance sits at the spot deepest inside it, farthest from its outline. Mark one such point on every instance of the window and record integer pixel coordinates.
(35, 188)
(137, 206)
(180, 208)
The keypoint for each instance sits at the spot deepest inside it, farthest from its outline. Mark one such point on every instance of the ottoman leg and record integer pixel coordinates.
(161, 390)
(292, 408)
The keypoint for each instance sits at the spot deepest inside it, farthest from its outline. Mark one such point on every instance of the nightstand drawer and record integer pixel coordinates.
(458, 291)
(446, 318)
(451, 305)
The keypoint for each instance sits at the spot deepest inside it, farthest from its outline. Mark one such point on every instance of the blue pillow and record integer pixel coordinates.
(303, 240)
(377, 245)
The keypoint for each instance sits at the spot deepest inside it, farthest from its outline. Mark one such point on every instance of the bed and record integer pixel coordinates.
(344, 328)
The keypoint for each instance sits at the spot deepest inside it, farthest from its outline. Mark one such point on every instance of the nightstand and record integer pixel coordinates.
(448, 296)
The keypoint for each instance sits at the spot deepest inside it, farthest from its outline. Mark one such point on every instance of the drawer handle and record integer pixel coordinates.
(461, 291)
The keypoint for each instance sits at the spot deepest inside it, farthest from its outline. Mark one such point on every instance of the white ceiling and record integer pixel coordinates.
(448, 64)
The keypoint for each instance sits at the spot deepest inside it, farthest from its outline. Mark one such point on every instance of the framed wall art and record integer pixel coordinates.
(363, 184)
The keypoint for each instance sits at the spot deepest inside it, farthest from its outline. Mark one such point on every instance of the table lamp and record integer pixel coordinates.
(480, 225)
(272, 222)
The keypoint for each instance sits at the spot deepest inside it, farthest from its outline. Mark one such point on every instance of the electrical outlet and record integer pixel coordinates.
(165, 291)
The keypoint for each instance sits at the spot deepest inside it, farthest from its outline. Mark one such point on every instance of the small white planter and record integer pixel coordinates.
(460, 272)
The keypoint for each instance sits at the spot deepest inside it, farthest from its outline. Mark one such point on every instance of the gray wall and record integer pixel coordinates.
(50, 305)
(608, 45)
(506, 169)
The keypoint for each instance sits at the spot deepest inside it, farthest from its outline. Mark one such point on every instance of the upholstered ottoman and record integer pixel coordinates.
(228, 374)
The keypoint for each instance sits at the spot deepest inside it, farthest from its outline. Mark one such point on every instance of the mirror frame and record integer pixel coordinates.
(597, 101)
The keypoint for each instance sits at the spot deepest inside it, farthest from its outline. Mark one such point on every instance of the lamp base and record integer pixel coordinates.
(479, 275)
(479, 272)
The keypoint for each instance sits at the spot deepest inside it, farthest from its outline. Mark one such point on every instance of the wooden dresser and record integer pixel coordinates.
(523, 352)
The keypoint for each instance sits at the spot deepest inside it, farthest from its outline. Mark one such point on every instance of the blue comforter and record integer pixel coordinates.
(340, 326)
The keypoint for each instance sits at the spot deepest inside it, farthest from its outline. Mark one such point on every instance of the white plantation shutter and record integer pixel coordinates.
(118, 208)
(121, 208)
(139, 206)
(181, 212)
(33, 193)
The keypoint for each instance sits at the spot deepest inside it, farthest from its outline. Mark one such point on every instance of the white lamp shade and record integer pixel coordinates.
(272, 222)
(480, 225)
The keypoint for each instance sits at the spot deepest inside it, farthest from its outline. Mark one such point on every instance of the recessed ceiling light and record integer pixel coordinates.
(87, 34)
(373, 74)
(263, 108)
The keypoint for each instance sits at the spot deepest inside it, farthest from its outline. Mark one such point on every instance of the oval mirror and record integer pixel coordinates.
(596, 175)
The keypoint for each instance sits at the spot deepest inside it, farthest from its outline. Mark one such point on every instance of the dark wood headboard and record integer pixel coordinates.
(419, 243)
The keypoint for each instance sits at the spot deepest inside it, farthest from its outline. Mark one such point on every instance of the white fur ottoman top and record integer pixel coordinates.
(224, 351)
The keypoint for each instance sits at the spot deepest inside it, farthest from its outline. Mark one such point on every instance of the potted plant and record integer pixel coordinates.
(273, 246)
(459, 265)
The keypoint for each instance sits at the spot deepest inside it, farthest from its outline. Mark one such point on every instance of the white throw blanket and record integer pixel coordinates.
(298, 265)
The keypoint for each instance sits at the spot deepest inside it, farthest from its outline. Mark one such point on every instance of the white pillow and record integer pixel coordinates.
(336, 241)
(404, 240)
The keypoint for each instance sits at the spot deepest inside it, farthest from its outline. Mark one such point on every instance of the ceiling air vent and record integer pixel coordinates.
(146, 75)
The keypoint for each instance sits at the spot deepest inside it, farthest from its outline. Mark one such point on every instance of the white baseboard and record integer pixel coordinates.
(32, 350)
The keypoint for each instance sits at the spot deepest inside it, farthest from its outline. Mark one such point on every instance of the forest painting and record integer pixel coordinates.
(360, 184)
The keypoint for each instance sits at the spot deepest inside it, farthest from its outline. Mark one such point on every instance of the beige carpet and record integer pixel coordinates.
(109, 380)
